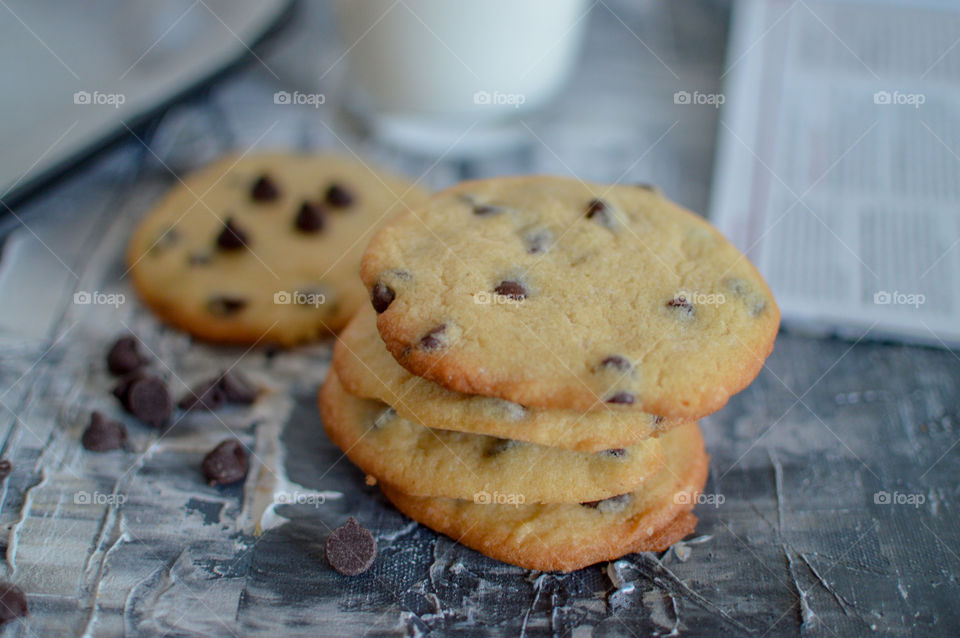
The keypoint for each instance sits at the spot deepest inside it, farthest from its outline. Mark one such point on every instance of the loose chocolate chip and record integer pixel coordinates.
(103, 434)
(149, 400)
(13, 603)
(621, 398)
(351, 548)
(381, 296)
(226, 463)
(237, 388)
(434, 340)
(616, 452)
(264, 189)
(616, 362)
(596, 207)
(682, 305)
(511, 289)
(206, 396)
(5, 468)
(124, 356)
(225, 305)
(311, 218)
(231, 237)
(122, 389)
(338, 196)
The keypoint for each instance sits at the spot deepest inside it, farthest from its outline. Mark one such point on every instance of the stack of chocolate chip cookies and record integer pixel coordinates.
(529, 375)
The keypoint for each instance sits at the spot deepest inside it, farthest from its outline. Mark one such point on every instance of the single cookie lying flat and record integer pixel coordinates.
(556, 293)
(367, 370)
(561, 537)
(263, 247)
(427, 462)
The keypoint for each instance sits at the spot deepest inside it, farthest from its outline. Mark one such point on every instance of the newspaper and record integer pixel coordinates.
(838, 163)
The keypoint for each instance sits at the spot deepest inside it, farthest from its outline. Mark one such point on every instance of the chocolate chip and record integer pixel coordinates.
(616, 452)
(434, 340)
(682, 305)
(149, 400)
(103, 434)
(13, 603)
(616, 362)
(231, 237)
(498, 446)
(122, 389)
(351, 548)
(512, 290)
(486, 209)
(338, 196)
(237, 388)
(596, 207)
(5, 468)
(124, 356)
(206, 396)
(621, 398)
(381, 296)
(264, 189)
(225, 305)
(226, 463)
(311, 218)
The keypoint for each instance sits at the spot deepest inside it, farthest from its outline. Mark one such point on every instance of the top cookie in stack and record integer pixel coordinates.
(553, 343)
(560, 294)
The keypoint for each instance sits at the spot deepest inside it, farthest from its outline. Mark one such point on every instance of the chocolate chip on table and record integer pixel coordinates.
(351, 548)
(621, 398)
(237, 388)
(103, 434)
(5, 468)
(434, 340)
(146, 398)
(512, 290)
(124, 356)
(338, 196)
(232, 237)
(226, 463)
(206, 396)
(13, 603)
(681, 304)
(226, 305)
(311, 217)
(616, 362)
(264, 189)
(381, 296)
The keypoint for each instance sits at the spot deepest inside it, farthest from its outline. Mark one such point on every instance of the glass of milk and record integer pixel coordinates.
(442, 75)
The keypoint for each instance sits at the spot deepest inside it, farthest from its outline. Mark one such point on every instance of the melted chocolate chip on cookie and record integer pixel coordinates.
(264, 189)
(681, 305)
(338, 196)
(617, 363)
(621, 398)
(231, 237)
(226, 463)
(226, 305)
(311, 218)
(381, 296)
(103, 434)
(512, 290)
(435, 339)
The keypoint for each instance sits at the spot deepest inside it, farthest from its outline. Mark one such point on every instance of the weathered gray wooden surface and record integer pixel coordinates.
(799, 544)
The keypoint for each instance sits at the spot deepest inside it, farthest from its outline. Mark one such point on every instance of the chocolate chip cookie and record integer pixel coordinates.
(367, 370)
(426, 462)
(556, 293)
(263, 247)
(565, 537)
